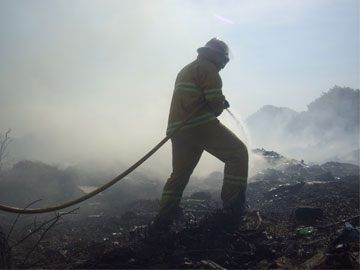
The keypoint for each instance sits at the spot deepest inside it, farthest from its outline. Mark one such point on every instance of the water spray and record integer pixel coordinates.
(240, 125)
(246, 138)
(233, 116)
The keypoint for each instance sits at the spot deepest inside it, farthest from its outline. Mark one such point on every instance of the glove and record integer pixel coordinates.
(226, 104)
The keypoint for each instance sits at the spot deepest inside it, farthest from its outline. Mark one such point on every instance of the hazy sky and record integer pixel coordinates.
(86, 79)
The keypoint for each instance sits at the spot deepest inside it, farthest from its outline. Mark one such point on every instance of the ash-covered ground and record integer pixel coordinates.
(302, 217)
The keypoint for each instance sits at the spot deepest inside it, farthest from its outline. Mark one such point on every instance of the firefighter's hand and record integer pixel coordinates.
(226, 104)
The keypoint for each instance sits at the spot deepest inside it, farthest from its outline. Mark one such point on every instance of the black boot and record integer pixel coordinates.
(162, 224)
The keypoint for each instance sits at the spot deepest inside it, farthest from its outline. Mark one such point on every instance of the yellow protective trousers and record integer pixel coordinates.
(187, 148)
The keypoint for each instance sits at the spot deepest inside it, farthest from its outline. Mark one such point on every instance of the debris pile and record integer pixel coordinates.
(301, 216)
(306, 217)
(5, 254)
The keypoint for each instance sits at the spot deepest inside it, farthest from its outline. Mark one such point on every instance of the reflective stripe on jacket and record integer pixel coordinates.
(198, 81)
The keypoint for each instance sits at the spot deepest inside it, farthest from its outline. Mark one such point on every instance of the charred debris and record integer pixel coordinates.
(303, 217)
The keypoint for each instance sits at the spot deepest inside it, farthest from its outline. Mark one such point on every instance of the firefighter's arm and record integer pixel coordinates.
(213, 92)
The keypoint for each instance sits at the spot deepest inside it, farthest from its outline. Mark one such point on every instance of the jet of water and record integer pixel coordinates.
(254, 161)
(240, 125)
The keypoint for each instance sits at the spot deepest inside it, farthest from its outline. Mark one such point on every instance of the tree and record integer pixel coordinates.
(5, 140)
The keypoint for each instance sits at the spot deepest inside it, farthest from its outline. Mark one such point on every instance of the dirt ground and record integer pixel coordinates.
(300, 217)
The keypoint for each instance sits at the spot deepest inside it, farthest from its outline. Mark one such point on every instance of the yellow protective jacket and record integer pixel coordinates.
(196, 82)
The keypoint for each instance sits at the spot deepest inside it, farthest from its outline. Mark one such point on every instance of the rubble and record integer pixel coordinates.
(5, 252)
(308, 214)
(301, 217)
(274, 244)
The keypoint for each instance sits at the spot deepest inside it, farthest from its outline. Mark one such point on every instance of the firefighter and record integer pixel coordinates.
(196, 83)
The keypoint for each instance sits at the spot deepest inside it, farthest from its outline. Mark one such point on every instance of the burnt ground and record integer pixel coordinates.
(283, 200)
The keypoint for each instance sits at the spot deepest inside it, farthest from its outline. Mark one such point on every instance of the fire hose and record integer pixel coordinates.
(56, 207)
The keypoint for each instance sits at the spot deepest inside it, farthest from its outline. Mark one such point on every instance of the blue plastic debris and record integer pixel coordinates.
(349, 233)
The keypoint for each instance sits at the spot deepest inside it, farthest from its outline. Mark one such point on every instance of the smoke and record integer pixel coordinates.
(83, 88)
(327, 131)
(91, 81)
